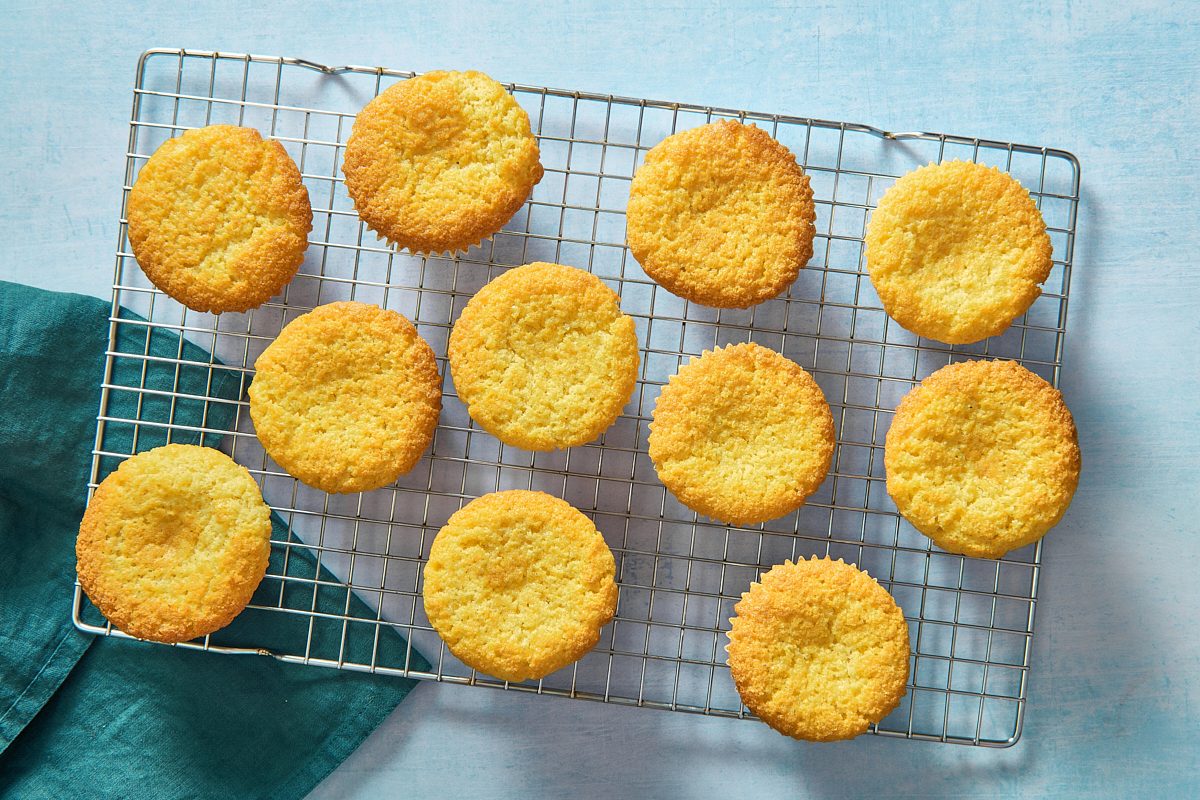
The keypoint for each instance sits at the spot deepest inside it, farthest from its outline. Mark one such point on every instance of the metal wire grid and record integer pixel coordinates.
(970, 620)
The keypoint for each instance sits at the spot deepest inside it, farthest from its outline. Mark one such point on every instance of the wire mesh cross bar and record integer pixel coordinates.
(346, 570)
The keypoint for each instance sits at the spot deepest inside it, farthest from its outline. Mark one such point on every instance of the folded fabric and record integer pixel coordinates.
(103, 717)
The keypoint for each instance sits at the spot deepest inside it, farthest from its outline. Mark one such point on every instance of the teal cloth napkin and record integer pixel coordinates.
(84, 716)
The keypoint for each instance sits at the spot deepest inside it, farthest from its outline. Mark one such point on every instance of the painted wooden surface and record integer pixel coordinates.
(1115, 685)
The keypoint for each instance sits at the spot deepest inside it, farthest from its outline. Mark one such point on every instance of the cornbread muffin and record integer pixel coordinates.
(721, 215)
(956, 251)
(219, 218)
(543, 357)
(742, 434)
(441, 161)
(174, 543)
(519, 584)
(818, 650)
(347, 397)
(982, 457)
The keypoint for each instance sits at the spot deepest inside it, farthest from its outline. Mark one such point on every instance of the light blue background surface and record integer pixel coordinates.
(1115, 684)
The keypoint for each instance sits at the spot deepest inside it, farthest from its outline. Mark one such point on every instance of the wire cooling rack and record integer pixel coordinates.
(970, 620)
